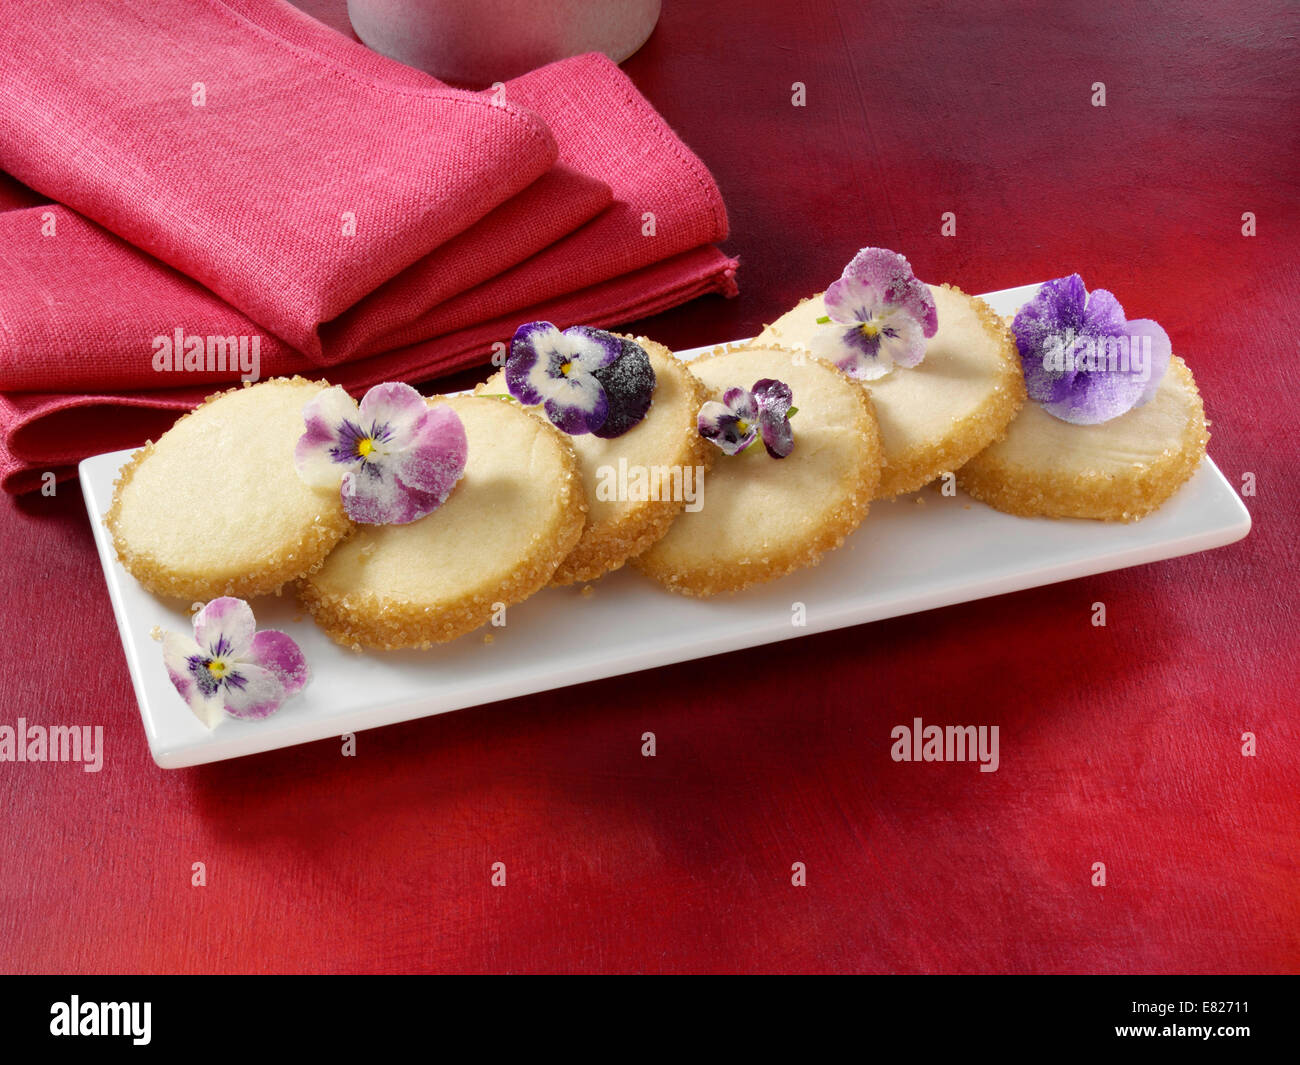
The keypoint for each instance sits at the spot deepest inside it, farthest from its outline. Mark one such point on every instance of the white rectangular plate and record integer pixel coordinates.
(913, 558)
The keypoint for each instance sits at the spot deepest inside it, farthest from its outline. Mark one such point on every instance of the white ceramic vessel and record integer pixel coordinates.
(478, 42)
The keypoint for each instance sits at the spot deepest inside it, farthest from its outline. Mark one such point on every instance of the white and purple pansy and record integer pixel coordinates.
(231, 668)
(743, 415)
(587, 380)
(1083, 361)
(878, 315)
(394, 458)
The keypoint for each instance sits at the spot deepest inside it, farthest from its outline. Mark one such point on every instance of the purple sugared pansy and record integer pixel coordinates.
(743, 415)
(732, 422)
(586, 379)
(1083, 361)
(878, 315)
(231, 668)
(394, 458)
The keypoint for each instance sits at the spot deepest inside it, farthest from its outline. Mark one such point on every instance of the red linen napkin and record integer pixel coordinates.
(80, 308)
(289, 183)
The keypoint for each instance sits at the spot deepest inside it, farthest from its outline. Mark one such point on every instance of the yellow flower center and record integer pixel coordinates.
(365, 446)
(217, 667)
(870, 330)
(742, 427)
(564, 368)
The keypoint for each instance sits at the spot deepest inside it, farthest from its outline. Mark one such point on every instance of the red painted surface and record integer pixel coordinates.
(1120, 745)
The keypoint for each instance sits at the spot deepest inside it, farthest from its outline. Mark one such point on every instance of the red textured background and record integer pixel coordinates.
(1120, 744)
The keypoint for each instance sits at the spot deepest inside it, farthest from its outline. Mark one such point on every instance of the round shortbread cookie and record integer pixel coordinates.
(762, 517)
(215, 507)
(513, 517)
(936, 416)
(665, 440)
(1119, 470)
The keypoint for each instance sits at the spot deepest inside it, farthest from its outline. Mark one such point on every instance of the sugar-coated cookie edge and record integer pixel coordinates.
(277, 570)
(1093, 495)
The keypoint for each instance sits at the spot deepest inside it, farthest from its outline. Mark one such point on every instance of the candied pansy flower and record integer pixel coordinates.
(586, 379)
(394, 458)
(1083, 361)
(743, 415)
(877, 315)
(231, 668)
(731, 423)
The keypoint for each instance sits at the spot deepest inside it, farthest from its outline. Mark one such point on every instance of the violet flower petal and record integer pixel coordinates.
(741, 403)
(224, 627)
(1096, 398)
(577, 404)
(322, 454)
(533, 349)
(1148, 337)
(593, 349)
(1045, 329)
(373, 495)
(774, 399)
(179, 654)
(435, 459)
(1102, 314)
(852, 300)
(276, 651)
(1054, 316)
(902, 340)
(251, 691)
(388, 413)
(720, 424)
(629, 384)
(859, 355)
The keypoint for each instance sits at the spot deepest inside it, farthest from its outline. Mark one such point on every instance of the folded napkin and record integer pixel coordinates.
(81, 307)
(81, 312)
(286, 182)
